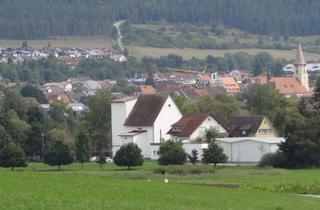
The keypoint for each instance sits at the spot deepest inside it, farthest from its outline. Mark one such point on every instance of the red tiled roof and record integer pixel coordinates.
(230, 85)
(288, 85)
(147, 89)
(145, 110)
(189, 124)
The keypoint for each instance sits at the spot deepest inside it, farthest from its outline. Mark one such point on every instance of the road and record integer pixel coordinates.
(120, 37)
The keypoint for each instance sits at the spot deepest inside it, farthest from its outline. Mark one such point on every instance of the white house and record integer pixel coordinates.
(192, 126)
(144, 121)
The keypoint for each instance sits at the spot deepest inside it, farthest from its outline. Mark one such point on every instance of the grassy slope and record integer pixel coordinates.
(95, 189)
(203, 53)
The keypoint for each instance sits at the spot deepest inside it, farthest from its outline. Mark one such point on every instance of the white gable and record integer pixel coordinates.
(168, 115)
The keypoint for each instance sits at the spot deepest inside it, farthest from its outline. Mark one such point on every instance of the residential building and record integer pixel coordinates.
(251, 126)
(193, 126)
(144, 120)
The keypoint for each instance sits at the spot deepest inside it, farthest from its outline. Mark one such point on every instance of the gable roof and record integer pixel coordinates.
(189, 123)
(250, 124)
(146, 110)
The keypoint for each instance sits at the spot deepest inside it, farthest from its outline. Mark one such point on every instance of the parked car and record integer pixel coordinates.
(96, 158)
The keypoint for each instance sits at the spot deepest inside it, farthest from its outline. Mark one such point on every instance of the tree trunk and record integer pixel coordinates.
(128, 167)
(59, 167)
(12, 168)
(215, 165)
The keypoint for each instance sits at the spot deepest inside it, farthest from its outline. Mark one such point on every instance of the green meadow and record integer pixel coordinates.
(246, 187)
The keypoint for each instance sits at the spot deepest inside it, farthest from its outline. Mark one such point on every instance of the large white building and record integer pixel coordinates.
(144, 121)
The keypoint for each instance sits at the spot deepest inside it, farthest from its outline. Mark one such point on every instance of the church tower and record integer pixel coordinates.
(300, 71)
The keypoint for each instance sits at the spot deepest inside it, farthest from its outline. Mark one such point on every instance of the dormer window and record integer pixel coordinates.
(176, 128)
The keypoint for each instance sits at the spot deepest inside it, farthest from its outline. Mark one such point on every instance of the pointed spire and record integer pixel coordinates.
(299, 57)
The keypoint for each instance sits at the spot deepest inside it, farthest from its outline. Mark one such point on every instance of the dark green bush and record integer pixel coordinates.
(172, 153)
(276, 160)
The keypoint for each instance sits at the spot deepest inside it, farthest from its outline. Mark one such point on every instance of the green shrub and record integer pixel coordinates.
(184, 169)
(128, 155)
(276, 160)
(171, 153)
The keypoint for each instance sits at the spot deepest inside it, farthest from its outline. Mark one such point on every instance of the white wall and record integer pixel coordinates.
(119, 113)
(167, 116)
(207, 124)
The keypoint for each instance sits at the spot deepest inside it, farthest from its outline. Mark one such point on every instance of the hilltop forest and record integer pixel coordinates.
(33, 19)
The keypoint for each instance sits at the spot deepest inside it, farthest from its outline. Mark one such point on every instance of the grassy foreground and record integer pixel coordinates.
(42, 187)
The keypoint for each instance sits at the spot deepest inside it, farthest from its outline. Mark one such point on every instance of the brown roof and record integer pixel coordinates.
(249, 124)
(147, 89)
(58, 97)
(189, 124)
(145, 110)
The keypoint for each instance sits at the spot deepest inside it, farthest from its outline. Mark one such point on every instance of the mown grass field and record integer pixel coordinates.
(43, 187)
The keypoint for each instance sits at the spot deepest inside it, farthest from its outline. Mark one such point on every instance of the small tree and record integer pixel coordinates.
(58, 152)
(214, 154)
(12, 156)
(128, 155)
(194, 156)
(82, 148)
(24, 43)
(171, 153)
(102, 159)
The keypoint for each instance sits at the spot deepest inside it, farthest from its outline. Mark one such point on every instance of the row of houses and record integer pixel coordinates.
(69, 55)
(150, 119)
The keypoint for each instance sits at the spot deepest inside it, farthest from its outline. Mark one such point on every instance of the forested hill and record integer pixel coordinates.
(42, 18)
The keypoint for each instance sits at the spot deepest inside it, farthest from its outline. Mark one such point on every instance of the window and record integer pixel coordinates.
(169, 105)
(244, 132)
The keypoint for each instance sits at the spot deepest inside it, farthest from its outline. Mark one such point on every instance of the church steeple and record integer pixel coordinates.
(299, 57)
(300, 68)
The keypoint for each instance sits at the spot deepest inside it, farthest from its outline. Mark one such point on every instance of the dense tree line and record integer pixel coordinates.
(40, 19)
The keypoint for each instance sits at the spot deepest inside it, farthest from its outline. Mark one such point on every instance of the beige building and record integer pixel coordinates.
(251, 126)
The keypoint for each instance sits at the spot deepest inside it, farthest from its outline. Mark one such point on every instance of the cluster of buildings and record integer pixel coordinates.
(69, 55)
(150, 119)
(194, 83)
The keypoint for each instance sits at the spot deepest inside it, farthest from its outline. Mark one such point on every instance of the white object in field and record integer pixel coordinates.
(166, 181)
(149, 180)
